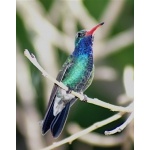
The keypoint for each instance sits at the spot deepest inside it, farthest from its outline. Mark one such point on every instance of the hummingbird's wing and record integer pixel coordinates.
(56, 123)
(65, 67)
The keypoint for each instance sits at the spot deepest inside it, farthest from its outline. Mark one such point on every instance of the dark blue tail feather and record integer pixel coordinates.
(55, 123)
(48, 119)
(58, 123)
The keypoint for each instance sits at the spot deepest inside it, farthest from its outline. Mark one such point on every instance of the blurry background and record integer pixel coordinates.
(47, 29)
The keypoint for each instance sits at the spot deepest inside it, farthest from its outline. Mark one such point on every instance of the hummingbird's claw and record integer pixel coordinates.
(85, 98)
(69, 90)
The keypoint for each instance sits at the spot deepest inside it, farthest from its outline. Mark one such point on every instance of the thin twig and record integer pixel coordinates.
(121, 127)
(85, 131)
(95, 101)
(96, 139)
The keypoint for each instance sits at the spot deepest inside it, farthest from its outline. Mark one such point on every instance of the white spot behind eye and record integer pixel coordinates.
(79, 34)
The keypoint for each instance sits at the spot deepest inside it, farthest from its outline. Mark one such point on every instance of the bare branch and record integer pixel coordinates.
(85, 131)
(120, 128)
(96, 139)
(95, 101)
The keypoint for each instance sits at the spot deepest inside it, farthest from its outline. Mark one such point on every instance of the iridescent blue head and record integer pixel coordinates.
(84, 41)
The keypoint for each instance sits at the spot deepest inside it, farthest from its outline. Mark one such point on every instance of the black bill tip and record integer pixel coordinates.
(101, 23)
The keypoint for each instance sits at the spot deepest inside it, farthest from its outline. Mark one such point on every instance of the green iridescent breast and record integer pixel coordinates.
(77, 72)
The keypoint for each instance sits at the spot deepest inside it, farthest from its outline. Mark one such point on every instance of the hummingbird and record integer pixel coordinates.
(77, 74)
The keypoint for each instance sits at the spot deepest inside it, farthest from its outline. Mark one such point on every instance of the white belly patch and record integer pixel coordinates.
(60, 100)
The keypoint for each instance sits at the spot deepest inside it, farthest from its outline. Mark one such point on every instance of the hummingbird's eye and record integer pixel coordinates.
(79, 34)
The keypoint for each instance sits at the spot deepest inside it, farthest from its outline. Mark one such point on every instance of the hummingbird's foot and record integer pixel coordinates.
(85, 98)
(69, 90)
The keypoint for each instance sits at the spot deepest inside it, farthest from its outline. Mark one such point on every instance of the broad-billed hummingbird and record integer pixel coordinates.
(77, 74)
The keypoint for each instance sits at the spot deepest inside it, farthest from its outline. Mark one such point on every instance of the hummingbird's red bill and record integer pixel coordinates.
(93, 29)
